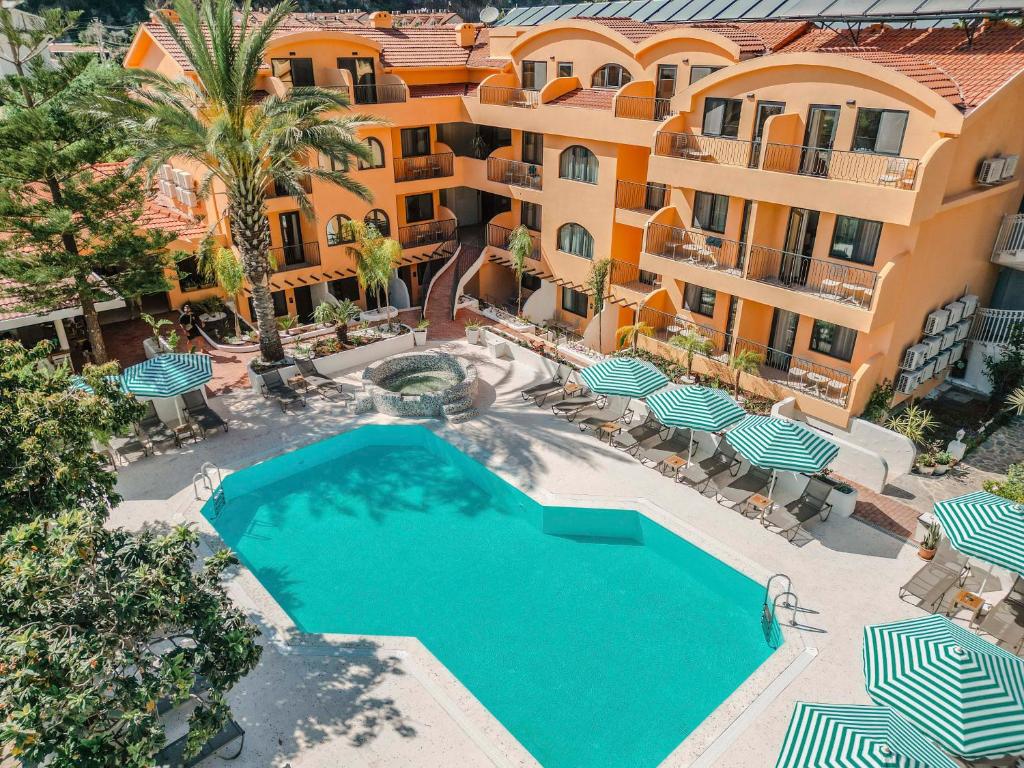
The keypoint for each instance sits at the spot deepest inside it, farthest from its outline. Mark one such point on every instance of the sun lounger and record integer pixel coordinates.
(699, 473)
(572, 404)
(152, 428)
(202, 415)
(173, 755)
(274, 387)
(631, 440)
(793, 517)
(319, 382)
(540, 392)
(654, 451)
(931, 582)
(592, 417)
(126, 447)
(743, 488)
(1005, 620)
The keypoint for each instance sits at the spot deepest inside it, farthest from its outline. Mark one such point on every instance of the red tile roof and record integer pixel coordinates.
(442, 89)
(160, 213)
(586, 98)
(752, 38)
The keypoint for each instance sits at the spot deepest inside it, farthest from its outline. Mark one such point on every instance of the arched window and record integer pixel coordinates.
(338, 231)
(378, 219)
(376, 155)
(573, 238)
(611, 76)
(579, 164)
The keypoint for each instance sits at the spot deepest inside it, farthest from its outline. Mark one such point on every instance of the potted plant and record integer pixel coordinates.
(926, 463)
(930, 542)
(943, 461)
(288, 324)
(473, 333)
(843, 499)
(420, 334)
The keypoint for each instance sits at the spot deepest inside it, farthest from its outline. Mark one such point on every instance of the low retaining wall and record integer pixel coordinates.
(430, 404)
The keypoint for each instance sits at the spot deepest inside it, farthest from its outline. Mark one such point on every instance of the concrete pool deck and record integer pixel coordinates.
(387, 702)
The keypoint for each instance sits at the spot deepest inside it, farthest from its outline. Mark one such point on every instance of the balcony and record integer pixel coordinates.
(642, 198)
(298, 256)
(377, 93)
(821, 382)
(514, 172)
(427, 233)
(840, 165)
(424, 167)
(642, 107)
(667, 325)
(498, 237)
(694, 247)
(819, 277)
(1009, 248)
(996, 326)
(630, 277)
(508, 97)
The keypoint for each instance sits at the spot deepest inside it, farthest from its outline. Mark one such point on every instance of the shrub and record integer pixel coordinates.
(1011, 487)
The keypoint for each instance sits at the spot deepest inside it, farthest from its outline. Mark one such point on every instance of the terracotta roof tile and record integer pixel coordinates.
(752, 38)
(586, 98)
(442, 89)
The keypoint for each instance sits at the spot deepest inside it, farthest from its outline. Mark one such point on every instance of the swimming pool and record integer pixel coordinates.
(597, 637)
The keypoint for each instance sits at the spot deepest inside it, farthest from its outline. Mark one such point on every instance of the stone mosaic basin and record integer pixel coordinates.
(432, 384)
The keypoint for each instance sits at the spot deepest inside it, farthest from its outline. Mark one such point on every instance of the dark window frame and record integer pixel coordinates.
(822, 339)
(563, 65)
(575, 164)
(623, 76)
(534, 64)
(704, 69)
(344, 235)
(858, 243)
(572, 304)
(704, 303)
(409, 201)
(369, 219)
(727, 130)
(862, 111)
(415, 141)
(532, 148)
(574, 233)
(716, 205)
(534, 217)
(373, 142)
(290, 60)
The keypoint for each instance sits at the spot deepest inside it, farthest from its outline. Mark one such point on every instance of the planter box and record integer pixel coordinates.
(843, 504)
(519, 326)
(420, 338)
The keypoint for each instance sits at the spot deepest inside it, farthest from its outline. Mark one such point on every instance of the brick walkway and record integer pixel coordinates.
(885, 512)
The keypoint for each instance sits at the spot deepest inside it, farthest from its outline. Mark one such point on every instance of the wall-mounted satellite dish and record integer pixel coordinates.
(489, 14)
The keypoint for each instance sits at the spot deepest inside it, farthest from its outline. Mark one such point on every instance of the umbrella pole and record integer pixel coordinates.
(771, 485)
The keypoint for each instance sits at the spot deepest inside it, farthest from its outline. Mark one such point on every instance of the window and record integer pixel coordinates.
(294, 72)
(696, 73)
(833, 340)
(376, 155)
(530, 282)
(535, 75)
(611, 76)
(710, 211)
(345, 288)
(722, 117)
(855, 240)
(575, 302)
(578, 164)
(698, 299)
(879, 130)
(415, 142)
(378, 219)
(529, 215)
(419, 207)
(339, 230)
(533, 148)
(188, 275)
(565, 69)
(573, 238)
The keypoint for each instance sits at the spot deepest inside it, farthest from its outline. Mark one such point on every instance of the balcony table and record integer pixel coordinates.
(830, 286)
(817, 379)
(799, 374)
(838, 386)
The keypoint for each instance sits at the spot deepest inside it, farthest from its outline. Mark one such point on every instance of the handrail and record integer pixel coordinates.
(629, 275)
(996, 326)
(822, 382)
(514, 172)
(498, 237)
(379, 93)
(637, 196)
(662, 322)
(508, 97)
(642, 107)
(467, 256)
(427, 233)
(1010, 239)
(828, 279)
(721, 150)
(424, 166)
(284, 256)
(694, 246)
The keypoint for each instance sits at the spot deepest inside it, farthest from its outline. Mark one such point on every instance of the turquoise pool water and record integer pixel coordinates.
(597, 637)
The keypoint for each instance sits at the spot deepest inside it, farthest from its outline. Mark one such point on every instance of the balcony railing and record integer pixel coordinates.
(514, 172)
(646, 198)
(630, 276)
(996, 326)
(642, 107)
(1010, 240)
(298, 256)
(666, 326)
(377, 93)
(427, 233)
(842, 165)
(694, 247)
(424, 167)
(508, 97)
(498, 237)
(800, 374)
(826, 279)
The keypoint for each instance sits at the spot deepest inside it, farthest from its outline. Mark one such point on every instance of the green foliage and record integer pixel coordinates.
(692, 343)
(932, 536)
(1015, 401)
(1010, 487)
(520, 246)
(376, 258)
(287, 322)
(744, 361)
(597, 284)
(629, 335)
(171, 338)
(877, 408)
(1006, 373)
(914, 422)
(339, 315)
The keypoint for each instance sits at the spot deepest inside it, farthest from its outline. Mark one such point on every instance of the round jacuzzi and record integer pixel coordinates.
(434, 384)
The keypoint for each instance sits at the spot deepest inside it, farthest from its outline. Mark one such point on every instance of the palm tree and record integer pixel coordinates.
(339, 315)
(743, 361)
(520, 245)
(376, 258)
(224, 268)
(242, 144)
(597, 280)
(630, 335)
(692, 343)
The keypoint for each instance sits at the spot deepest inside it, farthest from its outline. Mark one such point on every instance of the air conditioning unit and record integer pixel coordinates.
(166, 188)
(166, 172)
(949, 337)
(942, 361)
(963, 329)
(934, 344)
(914, 357)
(956, 311)
(187, 197)
(970, 303)
(928, 370)
(956, 353)
(936, 322)
(991, 171)
(1010, 167)
(908, 381)
(183, 179)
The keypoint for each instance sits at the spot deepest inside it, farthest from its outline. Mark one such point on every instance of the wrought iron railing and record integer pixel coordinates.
(629, 275)
(427, 233)
(693, 246)
(379, 93)
(822, 382)
(508, 97)
(298, 256)
(424, 166)
(498, 237)
(667, 325)
(634, 196)
(827, 279)
(996, 326)
(514, 172)
(642, 107)
(708, 149)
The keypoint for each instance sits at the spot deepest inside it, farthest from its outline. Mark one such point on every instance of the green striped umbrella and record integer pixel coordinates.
(623, 376)
(168, 375)
(961, 690)
(833, 736)
(985, 525)
(701, 408)
(781, 444)
(79, 383)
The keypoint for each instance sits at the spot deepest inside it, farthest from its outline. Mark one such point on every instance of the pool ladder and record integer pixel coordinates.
(203, 479)
(783, 598)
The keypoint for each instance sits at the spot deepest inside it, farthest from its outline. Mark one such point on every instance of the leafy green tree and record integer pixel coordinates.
(64, 218)
(1006, 372)
(376, 258)
(244, 146)
(743, 361)
(692, 343)
(339, 315)
(629, 335)
(223, 267)
(520, 246)
(597, 282)
(1010, 487)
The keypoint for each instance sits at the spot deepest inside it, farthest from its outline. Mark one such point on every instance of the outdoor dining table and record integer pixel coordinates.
(817, 379)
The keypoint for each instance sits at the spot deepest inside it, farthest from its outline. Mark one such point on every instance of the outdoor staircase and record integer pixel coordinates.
(441, 302)
(460, 411)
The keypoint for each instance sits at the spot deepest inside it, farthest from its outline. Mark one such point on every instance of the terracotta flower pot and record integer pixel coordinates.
(925, 554)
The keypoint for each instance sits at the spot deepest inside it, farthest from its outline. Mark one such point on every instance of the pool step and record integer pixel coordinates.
(460, 411)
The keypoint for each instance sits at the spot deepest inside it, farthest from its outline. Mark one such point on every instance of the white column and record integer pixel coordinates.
(62, 335)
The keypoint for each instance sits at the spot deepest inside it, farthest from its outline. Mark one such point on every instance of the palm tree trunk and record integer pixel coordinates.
(250, 230)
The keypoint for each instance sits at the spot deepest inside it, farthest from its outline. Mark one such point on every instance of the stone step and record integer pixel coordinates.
(461, 416)
(456, 406)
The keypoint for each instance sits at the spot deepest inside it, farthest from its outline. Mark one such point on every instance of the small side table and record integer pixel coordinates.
(972, 602)
(571, 389)
(183, 431)
(609, 429)
(298, 381)
(761, 504)
(673, 463)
